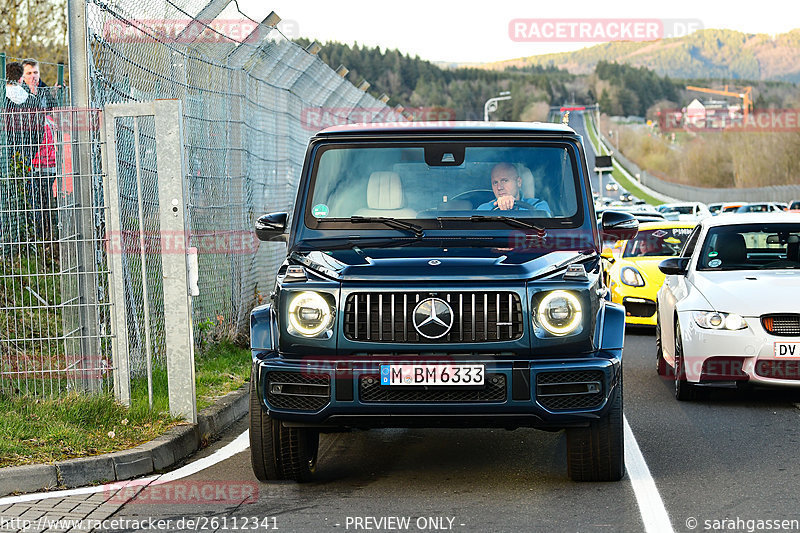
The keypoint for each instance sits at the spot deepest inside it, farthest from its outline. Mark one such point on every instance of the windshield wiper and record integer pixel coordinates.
(511, 221)
(391, 222)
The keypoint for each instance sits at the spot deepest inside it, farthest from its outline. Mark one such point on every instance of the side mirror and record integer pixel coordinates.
(674, 266)
(272, 227)
(608, 255)
(619, 226)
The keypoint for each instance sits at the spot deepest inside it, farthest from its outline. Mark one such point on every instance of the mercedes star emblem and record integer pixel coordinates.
(433, 318)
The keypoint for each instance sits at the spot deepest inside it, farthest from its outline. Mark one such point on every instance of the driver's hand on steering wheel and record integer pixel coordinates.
(505, 202)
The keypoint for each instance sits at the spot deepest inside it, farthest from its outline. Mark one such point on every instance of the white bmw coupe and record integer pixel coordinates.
(729, 309)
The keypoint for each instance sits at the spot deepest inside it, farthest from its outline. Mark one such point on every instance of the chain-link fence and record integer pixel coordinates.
(249, 97)
(54, 302)
(246, 92)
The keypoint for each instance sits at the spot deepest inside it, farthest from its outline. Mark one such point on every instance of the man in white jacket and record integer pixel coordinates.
(24, 116)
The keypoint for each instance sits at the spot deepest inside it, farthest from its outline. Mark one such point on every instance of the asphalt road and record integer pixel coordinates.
(729, 456)
(727, 462)
(576, 122)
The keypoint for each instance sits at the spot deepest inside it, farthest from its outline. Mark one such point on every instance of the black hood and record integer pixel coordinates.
(416, 264)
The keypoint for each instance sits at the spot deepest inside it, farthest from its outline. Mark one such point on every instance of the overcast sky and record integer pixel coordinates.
(470, 31)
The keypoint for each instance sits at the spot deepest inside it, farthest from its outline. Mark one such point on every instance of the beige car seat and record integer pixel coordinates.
(528, 188)
(385, 197)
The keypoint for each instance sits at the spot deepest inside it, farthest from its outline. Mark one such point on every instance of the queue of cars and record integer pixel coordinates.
(409, 298)
(728, 309)
(633, 276)
(722, 294)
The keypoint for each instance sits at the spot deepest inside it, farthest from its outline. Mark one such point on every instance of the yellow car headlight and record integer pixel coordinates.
(631, 276)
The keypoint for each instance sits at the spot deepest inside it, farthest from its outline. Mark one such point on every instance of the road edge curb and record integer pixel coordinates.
(175, 445)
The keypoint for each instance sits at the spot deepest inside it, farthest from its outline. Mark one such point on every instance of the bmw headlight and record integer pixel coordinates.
(309, 314)
(717, 320)
(559, 312)
(631, 276)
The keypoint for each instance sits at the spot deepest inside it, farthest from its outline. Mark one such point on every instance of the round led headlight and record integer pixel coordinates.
(309, 313)
(559, 312)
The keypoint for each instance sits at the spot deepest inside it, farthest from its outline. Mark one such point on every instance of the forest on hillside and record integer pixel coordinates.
(620, 89)
(414, 82)
(712, 53)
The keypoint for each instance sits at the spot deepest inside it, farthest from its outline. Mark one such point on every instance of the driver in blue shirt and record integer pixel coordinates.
(506, 185)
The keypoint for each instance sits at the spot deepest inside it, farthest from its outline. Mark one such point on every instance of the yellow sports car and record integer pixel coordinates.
(634, 277)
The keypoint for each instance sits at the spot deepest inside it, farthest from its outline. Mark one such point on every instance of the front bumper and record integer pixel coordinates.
(548, 394)
(639, 303)
(742, 355)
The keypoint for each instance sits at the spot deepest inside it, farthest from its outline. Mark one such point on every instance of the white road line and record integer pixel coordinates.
(654, 514)
(651, 507)
(239, 444)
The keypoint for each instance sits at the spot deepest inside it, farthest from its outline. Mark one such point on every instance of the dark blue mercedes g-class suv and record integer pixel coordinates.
(439, 275)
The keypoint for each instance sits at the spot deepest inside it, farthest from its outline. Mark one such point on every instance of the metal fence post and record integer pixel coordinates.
(83, 186)
(119, 324)
(3, 143)
(172, 218)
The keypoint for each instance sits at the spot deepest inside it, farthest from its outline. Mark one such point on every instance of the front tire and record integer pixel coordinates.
(278, 452)
(661, 364)
(597, 453)
(684, 391)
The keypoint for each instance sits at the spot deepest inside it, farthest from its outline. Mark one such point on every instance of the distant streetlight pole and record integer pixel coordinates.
(491, 104)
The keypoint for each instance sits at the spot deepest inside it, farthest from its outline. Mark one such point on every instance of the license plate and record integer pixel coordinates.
(432, 375)
(787, 349)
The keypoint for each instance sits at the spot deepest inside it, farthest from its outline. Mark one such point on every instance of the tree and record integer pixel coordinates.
(31, 28)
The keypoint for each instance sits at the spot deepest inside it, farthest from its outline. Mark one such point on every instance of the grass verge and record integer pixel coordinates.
(42, 430)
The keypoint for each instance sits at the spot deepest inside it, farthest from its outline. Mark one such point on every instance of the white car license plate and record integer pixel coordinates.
(787, 349)
(432, 375)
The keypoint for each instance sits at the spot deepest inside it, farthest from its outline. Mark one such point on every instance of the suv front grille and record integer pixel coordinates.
(477, 317)
(370, 390)
(579, 389)
(782, 325)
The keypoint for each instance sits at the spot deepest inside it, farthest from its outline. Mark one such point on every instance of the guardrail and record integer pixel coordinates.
(778, 193)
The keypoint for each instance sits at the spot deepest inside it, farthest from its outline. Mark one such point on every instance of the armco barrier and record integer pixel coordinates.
(779, 193)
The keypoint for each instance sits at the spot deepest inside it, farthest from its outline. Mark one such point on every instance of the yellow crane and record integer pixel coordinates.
(745, 94)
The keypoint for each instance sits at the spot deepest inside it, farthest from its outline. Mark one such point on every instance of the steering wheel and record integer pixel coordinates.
(519, 204)
(475, 197)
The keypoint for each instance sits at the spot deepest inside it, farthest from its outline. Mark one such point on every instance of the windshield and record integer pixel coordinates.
(754, 208)
(427, 182)
(657, 243)
(751, 247)
(680, 209)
